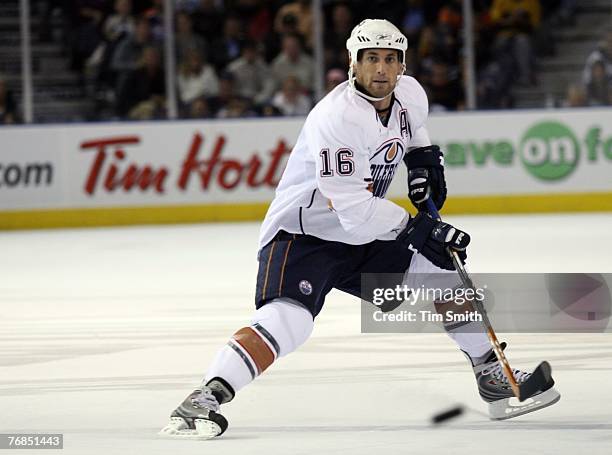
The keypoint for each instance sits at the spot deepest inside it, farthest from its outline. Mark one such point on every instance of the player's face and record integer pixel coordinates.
(377, 71)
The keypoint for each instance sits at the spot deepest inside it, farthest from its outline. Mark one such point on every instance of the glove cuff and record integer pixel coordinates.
(430, 156)
(417, 231)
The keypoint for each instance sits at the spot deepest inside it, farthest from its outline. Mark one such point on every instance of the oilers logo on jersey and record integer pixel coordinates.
(383, 164)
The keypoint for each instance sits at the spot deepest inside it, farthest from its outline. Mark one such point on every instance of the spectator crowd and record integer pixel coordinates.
(241, 58)
(595, 85)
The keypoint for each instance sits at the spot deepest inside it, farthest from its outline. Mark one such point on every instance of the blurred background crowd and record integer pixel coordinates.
(103, 59)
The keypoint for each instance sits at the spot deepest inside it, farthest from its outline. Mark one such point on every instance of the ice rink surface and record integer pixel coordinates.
(104, 331)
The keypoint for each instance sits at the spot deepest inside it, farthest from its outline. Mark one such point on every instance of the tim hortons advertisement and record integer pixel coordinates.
(192, 164)
(152, 164)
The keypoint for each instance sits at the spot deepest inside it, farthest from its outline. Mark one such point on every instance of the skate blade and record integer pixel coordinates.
(178, 428)
(511, 407)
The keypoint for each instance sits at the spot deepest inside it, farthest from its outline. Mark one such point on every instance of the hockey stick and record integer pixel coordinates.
(541, 378)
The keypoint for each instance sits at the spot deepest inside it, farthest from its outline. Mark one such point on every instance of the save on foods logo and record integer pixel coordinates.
(548, 150)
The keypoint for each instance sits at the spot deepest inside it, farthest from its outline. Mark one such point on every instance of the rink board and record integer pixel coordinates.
(189, 171)
(122, 216)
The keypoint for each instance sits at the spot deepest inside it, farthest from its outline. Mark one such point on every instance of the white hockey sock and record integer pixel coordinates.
(472, 339)
(471, 336)
(277, 328)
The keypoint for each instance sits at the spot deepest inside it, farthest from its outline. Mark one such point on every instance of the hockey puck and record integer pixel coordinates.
(447, 415)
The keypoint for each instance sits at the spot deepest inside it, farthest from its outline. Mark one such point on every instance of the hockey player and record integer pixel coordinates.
(329, 223)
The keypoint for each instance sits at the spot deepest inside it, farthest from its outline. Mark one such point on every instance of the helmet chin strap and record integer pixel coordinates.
(351, 82)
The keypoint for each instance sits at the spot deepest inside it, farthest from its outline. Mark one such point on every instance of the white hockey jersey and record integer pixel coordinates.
(343, 162)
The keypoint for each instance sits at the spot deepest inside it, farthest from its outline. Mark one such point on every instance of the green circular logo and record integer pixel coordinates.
(549, 151)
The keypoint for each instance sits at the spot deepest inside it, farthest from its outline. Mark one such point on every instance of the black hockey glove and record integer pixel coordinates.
(431, 238)
(426, 176)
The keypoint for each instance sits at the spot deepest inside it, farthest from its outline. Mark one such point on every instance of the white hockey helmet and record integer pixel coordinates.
(374, 34)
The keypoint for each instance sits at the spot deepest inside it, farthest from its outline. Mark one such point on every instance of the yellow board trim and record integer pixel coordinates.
(121, 216)
(523, 203)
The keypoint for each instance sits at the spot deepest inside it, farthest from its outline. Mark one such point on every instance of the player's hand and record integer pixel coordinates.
(431, 238)
(426, 176)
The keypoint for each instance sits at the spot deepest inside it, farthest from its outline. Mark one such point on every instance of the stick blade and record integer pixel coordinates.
(539, 381)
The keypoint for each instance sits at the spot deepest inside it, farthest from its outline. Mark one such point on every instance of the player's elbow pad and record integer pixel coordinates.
(372, 218)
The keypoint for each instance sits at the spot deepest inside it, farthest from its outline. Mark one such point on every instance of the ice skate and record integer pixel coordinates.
(197, 417)
(495, 389)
